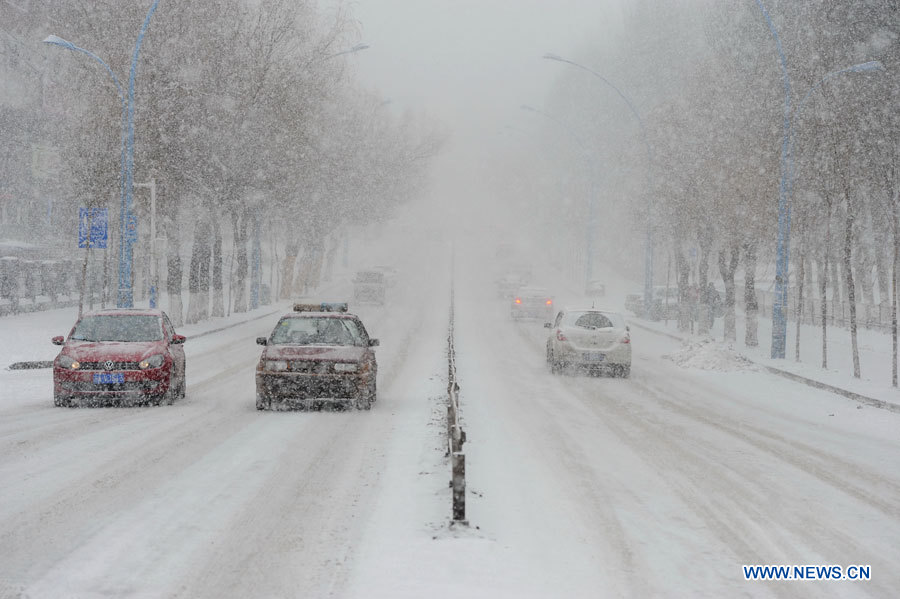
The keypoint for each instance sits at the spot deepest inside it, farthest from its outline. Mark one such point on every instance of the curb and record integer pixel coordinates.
(34, 365)
(870, 401)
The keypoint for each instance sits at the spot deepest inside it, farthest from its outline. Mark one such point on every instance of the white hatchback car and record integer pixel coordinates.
(589, 339)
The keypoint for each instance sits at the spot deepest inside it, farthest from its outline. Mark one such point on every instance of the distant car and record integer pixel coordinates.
(369, 287)
(390, 274)
(120, 357)
(531, 302)
(317, 354)
(508, 284)
(595, 289)
(589, 339)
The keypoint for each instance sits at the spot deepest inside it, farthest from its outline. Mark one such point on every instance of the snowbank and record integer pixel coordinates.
(708, 354)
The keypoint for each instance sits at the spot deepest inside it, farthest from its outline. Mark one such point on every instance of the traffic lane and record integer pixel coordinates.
(700, 476)
(98, 474)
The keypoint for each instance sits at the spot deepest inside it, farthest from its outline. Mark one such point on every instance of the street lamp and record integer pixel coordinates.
(58, 41)
(782, 248)
(648, 249)
(592, 202)
(125, 296)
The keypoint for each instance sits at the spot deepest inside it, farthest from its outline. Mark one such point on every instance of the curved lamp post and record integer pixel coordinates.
(58, 41)
(648, 248)
(782, 248)
(128, 223)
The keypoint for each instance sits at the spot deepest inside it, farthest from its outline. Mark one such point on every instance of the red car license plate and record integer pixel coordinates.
(109, 377)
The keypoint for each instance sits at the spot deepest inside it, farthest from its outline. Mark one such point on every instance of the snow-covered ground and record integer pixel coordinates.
(663, 484)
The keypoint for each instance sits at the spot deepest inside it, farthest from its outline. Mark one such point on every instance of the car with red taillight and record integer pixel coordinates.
(596, 341)
(316, 355)
(531, 302)
(120, 357)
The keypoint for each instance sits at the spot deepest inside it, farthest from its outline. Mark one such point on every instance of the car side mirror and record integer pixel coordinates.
(58, 340)
(262, 341)
(178, 339)
(373, 343)
(548, 325)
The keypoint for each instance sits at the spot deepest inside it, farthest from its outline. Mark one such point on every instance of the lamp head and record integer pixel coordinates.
(58, 41)
(872, 65)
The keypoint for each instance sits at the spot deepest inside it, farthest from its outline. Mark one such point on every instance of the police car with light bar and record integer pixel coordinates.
(319, 354)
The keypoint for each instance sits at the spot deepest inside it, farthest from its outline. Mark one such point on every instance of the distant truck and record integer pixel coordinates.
(369, 287)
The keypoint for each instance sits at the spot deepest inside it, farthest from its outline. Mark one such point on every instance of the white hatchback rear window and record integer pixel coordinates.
(595, 320)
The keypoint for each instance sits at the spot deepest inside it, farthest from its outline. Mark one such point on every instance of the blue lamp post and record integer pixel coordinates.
(648, 243)
(128, 222)
(58, 41)
(785, 188)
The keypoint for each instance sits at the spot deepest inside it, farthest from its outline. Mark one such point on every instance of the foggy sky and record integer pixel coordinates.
(471, 63)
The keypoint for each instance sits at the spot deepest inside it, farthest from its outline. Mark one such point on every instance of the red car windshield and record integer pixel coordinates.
(118, 328)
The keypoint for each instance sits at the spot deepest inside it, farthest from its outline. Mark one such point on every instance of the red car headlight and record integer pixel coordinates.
(154, 361)
(69, 362)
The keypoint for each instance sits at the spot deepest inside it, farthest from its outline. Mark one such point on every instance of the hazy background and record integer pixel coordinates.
(471, 64)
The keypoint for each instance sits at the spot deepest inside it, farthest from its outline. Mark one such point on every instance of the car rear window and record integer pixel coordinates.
(595, 320)
(122, 327)
(322, 330)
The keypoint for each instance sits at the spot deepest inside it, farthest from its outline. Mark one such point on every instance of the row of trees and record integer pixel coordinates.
(248, 118)
(706, 80)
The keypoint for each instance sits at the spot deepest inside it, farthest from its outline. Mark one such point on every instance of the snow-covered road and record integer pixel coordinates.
(660, 485)
(666, 483)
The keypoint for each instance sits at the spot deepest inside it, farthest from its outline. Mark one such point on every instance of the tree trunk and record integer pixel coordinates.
(882, 274)
(683, 268)
(837, 286)
(174, 273)
(218, 297)
(895, 226)
(751, 306)
(727, 269)
(801, 282)
(823, 289)
(287, 269)
(194, 311)
(239, 224)
(851, 293)
(705, 242)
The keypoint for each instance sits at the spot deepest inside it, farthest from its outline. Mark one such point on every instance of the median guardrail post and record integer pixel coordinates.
(455, 435)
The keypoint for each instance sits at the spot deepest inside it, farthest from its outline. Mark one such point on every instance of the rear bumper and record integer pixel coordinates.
(617, 356)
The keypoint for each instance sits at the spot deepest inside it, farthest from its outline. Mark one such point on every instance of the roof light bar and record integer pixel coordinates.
(322, 307)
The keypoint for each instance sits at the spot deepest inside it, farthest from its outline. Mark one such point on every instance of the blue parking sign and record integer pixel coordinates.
(97, 220)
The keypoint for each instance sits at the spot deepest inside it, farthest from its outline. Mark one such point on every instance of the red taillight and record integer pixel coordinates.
(518, 301)
(626, 339)
(560, 336)
(549, 302)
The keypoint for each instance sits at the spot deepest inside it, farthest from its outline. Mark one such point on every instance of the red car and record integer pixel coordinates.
(120, 357)
(317, 354)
